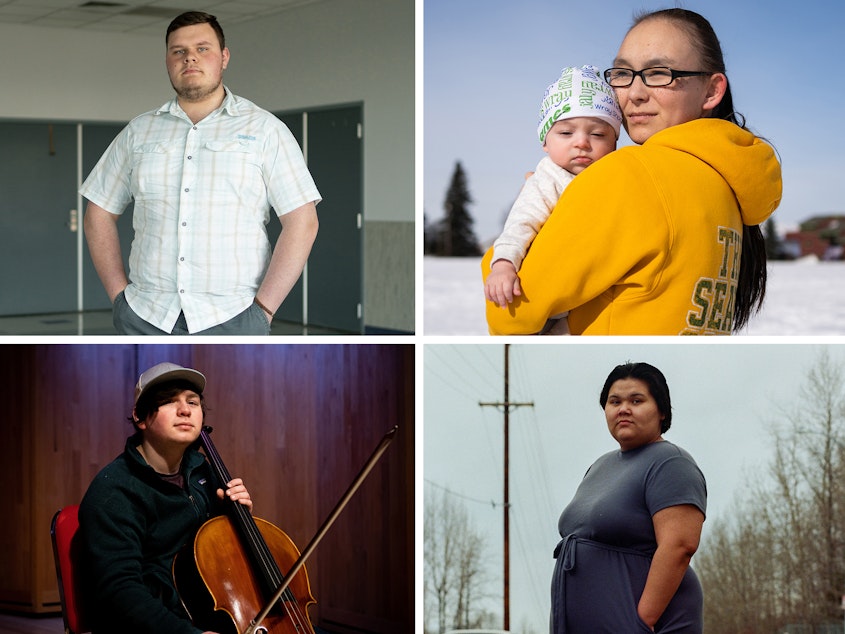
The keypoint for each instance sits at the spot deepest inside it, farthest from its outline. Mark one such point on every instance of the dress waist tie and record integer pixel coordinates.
(567, 546)
(565, 552)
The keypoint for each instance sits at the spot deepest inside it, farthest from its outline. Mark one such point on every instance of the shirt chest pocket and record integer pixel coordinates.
(233, 170)
(156, 169)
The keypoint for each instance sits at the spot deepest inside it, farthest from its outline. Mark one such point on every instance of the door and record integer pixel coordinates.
(331, 140)
(39, 235)
(335, 297)
(96, 137)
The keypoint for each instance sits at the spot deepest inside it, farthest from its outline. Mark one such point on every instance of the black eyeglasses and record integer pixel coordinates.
(653, 77)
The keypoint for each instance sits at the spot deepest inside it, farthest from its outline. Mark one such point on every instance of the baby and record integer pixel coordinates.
(579, 123)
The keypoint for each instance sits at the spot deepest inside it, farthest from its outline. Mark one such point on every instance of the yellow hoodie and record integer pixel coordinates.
(647, 240)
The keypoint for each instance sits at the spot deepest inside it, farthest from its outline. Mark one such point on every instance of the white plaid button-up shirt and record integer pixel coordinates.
(203, 194)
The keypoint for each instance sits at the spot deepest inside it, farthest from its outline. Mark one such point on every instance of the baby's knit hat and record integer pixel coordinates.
(580, 92)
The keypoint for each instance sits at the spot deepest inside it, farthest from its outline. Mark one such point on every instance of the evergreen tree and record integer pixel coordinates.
(431, 236)
(774, 248)
(457, 235)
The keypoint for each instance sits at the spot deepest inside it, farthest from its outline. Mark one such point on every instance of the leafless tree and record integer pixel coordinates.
(454, 554)
(779, 557)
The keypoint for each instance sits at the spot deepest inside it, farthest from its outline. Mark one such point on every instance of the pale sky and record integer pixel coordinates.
(725, 399)
(488, 62)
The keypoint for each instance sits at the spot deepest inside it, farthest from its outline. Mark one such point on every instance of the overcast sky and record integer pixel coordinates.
(488, 62)
(725, 399)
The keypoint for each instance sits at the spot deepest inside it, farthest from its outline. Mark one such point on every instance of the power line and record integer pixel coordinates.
(472, 377)
(492, 503)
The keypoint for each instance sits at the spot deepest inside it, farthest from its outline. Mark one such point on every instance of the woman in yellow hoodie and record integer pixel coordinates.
(661, 238)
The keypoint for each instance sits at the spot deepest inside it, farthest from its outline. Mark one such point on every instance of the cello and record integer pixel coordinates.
(232, 581)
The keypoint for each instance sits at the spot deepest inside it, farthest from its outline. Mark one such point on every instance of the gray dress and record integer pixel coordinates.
(608, 541)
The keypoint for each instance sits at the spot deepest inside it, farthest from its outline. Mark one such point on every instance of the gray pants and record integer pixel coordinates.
(252, 321)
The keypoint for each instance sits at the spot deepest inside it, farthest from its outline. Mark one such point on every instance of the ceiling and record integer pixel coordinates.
(149, 17)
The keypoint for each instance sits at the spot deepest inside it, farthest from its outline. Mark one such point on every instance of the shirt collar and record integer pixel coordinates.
(229, 105)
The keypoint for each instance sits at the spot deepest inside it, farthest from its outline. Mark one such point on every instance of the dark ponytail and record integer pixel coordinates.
(751, 285)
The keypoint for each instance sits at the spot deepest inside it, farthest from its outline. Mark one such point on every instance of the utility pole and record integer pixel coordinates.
(506, 406)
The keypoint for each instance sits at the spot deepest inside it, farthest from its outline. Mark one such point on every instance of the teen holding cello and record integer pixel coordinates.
(148, 504)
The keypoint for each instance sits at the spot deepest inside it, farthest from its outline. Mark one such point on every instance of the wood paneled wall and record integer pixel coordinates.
(296, 422)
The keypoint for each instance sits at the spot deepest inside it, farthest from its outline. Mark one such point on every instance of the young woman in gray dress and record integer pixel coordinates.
(634, 524)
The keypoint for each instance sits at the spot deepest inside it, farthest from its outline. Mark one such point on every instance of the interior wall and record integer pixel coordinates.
(67, 75)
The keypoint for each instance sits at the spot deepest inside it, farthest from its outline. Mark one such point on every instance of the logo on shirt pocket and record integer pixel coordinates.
(235, 173)
(241, 145)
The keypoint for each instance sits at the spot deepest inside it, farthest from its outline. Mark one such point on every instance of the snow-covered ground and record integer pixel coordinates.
(802, 298)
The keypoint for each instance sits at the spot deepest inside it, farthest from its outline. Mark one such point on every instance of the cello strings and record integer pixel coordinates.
(288, 601)
(251, 535)
(272, 574)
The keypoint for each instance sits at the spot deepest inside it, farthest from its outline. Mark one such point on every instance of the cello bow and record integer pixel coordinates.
(255, 624)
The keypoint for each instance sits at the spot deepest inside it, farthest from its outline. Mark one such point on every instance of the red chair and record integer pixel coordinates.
(66, 554)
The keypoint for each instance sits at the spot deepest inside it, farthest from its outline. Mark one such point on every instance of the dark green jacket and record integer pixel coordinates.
(132, 524)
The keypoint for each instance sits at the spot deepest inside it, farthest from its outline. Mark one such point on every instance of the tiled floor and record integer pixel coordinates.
(100, 323)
